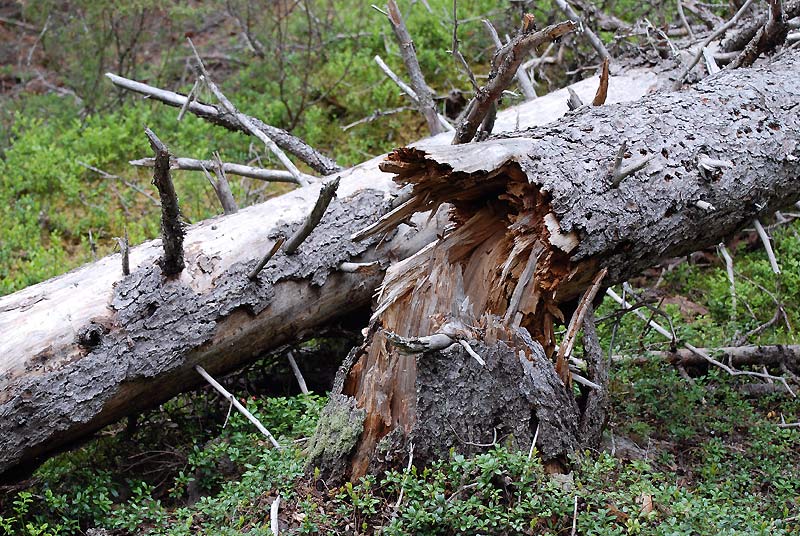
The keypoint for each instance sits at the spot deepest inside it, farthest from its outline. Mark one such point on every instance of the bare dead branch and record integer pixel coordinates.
(219, 116)
(595, 41)
(301, 382)
(714, 35)
(171, 227)
(124, 250)
(770, 35)
(505, 63)
(265, 259)
(238, 405)
(326, 194)
(408, 91)
(424, 93)
(574, 101)
(245, 120)
(685, 22)
(241, 170)
(762, 234)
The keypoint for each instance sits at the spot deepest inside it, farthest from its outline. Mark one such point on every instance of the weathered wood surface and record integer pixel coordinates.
(539, 210)
(82, 350)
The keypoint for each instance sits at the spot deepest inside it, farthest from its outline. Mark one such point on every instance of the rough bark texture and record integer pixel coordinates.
(86, 348)
(537, 210)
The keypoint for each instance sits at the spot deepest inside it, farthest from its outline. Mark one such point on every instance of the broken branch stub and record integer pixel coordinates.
(171, 226)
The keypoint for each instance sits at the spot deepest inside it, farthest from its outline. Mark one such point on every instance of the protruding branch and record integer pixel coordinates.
(189, 98)
(504, 67)
(124, 250)
(297, 374)
(618, 173)
(171, 226)
(326, 194)
(264, 260)
(424, 93)
(238, 405)
(459, 57)
(714, 35)
(602, 89)
(685, 22)
(595, 41)
(214, 114)
(221, 186)
(729, 270)
(574, 101)
(525, 82)
(430, 343)
(241, 170)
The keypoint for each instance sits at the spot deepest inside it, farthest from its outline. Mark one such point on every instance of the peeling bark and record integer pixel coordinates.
(538, 209)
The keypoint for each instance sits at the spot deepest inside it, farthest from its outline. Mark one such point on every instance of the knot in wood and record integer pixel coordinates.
(91, 335)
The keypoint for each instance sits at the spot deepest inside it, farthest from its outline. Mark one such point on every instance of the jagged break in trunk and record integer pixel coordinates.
(534, 218)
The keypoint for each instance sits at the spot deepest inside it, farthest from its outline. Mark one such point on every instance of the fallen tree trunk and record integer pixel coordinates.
(84, 349)
(459, 352)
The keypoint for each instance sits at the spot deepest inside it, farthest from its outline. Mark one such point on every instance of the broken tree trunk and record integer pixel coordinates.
(459, 350)
(84, 349)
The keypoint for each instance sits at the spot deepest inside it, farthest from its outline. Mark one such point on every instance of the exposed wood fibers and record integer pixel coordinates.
(497, 242)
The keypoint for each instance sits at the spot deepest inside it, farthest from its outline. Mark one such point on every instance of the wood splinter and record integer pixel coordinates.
(574, 101)
(326, 194)
(172, 231)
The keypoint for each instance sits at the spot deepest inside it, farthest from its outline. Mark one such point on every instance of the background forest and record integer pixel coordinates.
(687, 450)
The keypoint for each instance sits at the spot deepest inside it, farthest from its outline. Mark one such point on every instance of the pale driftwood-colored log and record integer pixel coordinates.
(241, 170)
(219, 116)
(84, 349)
(548, 186)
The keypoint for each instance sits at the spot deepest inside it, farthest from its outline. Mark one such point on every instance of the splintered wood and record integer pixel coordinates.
(497, 269)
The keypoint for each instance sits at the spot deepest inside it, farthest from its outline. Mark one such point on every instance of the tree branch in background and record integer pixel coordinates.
(245, 121)
(218, 116)
(408, 90)
(525, 82)
(171, 227)
(505, 63)
(770, 35)
(714, 35)
(424, 93)
(595, 41)
(241, 170)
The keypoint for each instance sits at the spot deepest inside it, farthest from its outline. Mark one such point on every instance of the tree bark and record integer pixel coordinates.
(84, 349)
(535, 215)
